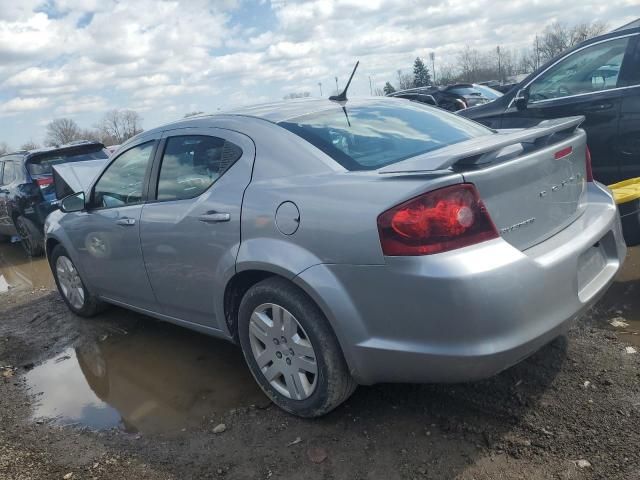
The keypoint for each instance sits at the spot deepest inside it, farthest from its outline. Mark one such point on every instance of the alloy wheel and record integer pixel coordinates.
(283, 351)
(70, 282)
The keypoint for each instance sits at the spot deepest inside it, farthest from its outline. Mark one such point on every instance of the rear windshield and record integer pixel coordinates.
(488, 92)
(41, 165)
(378, 135)
(464, 91)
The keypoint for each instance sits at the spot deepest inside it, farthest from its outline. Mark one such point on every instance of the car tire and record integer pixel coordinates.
(283, 367)
(5, 238)
(71, 286)
(31, 236)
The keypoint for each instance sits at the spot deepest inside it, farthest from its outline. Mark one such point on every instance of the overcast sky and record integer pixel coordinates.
(79, 58)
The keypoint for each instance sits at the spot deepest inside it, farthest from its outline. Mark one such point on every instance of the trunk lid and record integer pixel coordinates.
(532, 181)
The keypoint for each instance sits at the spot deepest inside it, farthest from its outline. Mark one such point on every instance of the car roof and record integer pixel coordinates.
(67, 146)
(276, 112)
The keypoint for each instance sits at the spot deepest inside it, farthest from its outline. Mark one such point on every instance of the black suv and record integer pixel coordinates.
(450, 97)
(27, 193)
(599, 79)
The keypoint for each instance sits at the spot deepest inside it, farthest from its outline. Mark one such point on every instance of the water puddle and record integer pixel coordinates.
(158, 379)
(623, 298)
(17, 270)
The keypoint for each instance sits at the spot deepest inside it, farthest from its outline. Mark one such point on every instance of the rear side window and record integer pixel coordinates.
(41, 164)
(122, 182)
(10, 173)
(192, 163)
(377, 135)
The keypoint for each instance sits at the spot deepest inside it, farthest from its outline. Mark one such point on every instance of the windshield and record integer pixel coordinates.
(378, 135)
(41, 164)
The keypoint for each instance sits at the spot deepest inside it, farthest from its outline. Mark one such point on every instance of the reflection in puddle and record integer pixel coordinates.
(160, 379)
(17, 270)
(623, 298)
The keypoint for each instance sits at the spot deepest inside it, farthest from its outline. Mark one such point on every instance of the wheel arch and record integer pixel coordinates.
(243, 280)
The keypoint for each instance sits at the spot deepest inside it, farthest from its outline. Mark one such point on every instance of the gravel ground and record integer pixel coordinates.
(571, 411)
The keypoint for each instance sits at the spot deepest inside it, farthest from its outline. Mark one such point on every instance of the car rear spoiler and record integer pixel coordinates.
(75, 177)
(488, 148)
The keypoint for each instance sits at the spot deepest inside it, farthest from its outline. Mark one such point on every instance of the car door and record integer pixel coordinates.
(190, 233)
(106, 236)
(628, 144)
(589, 82)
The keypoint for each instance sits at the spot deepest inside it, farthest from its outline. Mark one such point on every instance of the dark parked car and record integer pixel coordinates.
(27, 193)
(599, 79)
(451, 97)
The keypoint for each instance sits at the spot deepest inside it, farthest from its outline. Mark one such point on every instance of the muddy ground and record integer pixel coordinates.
(124, 396)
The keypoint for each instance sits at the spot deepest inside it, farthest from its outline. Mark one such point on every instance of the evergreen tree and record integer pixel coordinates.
(388, 88)
(421, 76)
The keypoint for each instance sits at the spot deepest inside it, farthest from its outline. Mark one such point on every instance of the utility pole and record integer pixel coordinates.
(370, 86)
(432, 56)
(337, 89)
(499, 64)
(320, 85)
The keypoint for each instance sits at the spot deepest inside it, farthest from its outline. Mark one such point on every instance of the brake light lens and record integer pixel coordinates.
(438, 221)
(563, 153)
(44, 182)
(589, 170)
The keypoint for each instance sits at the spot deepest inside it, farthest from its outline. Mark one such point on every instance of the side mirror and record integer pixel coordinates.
(521, 99)
(73, 203)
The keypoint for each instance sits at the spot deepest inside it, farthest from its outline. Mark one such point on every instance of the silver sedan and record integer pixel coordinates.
(345, 243)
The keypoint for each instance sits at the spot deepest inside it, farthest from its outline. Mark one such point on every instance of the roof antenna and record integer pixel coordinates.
(343, 96)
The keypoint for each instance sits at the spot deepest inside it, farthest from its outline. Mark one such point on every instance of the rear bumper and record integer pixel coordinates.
(469, 313)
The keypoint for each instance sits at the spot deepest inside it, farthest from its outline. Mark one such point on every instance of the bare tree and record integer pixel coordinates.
(29, 145)
(447, 74)
(558, 37)
(469, 62)
(4, 148)
(117, 126)
(61, 131)
(405, 80)
(585, 31)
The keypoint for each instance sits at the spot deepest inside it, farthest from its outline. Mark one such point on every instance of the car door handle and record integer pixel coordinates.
(599, 107)
(126, 222)
(214, 217)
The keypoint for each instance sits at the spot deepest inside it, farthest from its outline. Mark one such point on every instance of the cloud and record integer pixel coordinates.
(90, 103)
(19, 105)
(76, 57)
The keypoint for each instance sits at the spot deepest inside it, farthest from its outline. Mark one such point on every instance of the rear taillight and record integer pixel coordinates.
(44, 182)
(589, 170)
(438, 221)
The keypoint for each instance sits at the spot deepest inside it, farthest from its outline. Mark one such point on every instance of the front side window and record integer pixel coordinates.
(191, 164)
(122, 182)
(592, 69)
(372, 136)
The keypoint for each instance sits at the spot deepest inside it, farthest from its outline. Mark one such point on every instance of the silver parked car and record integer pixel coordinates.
(342, 244)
